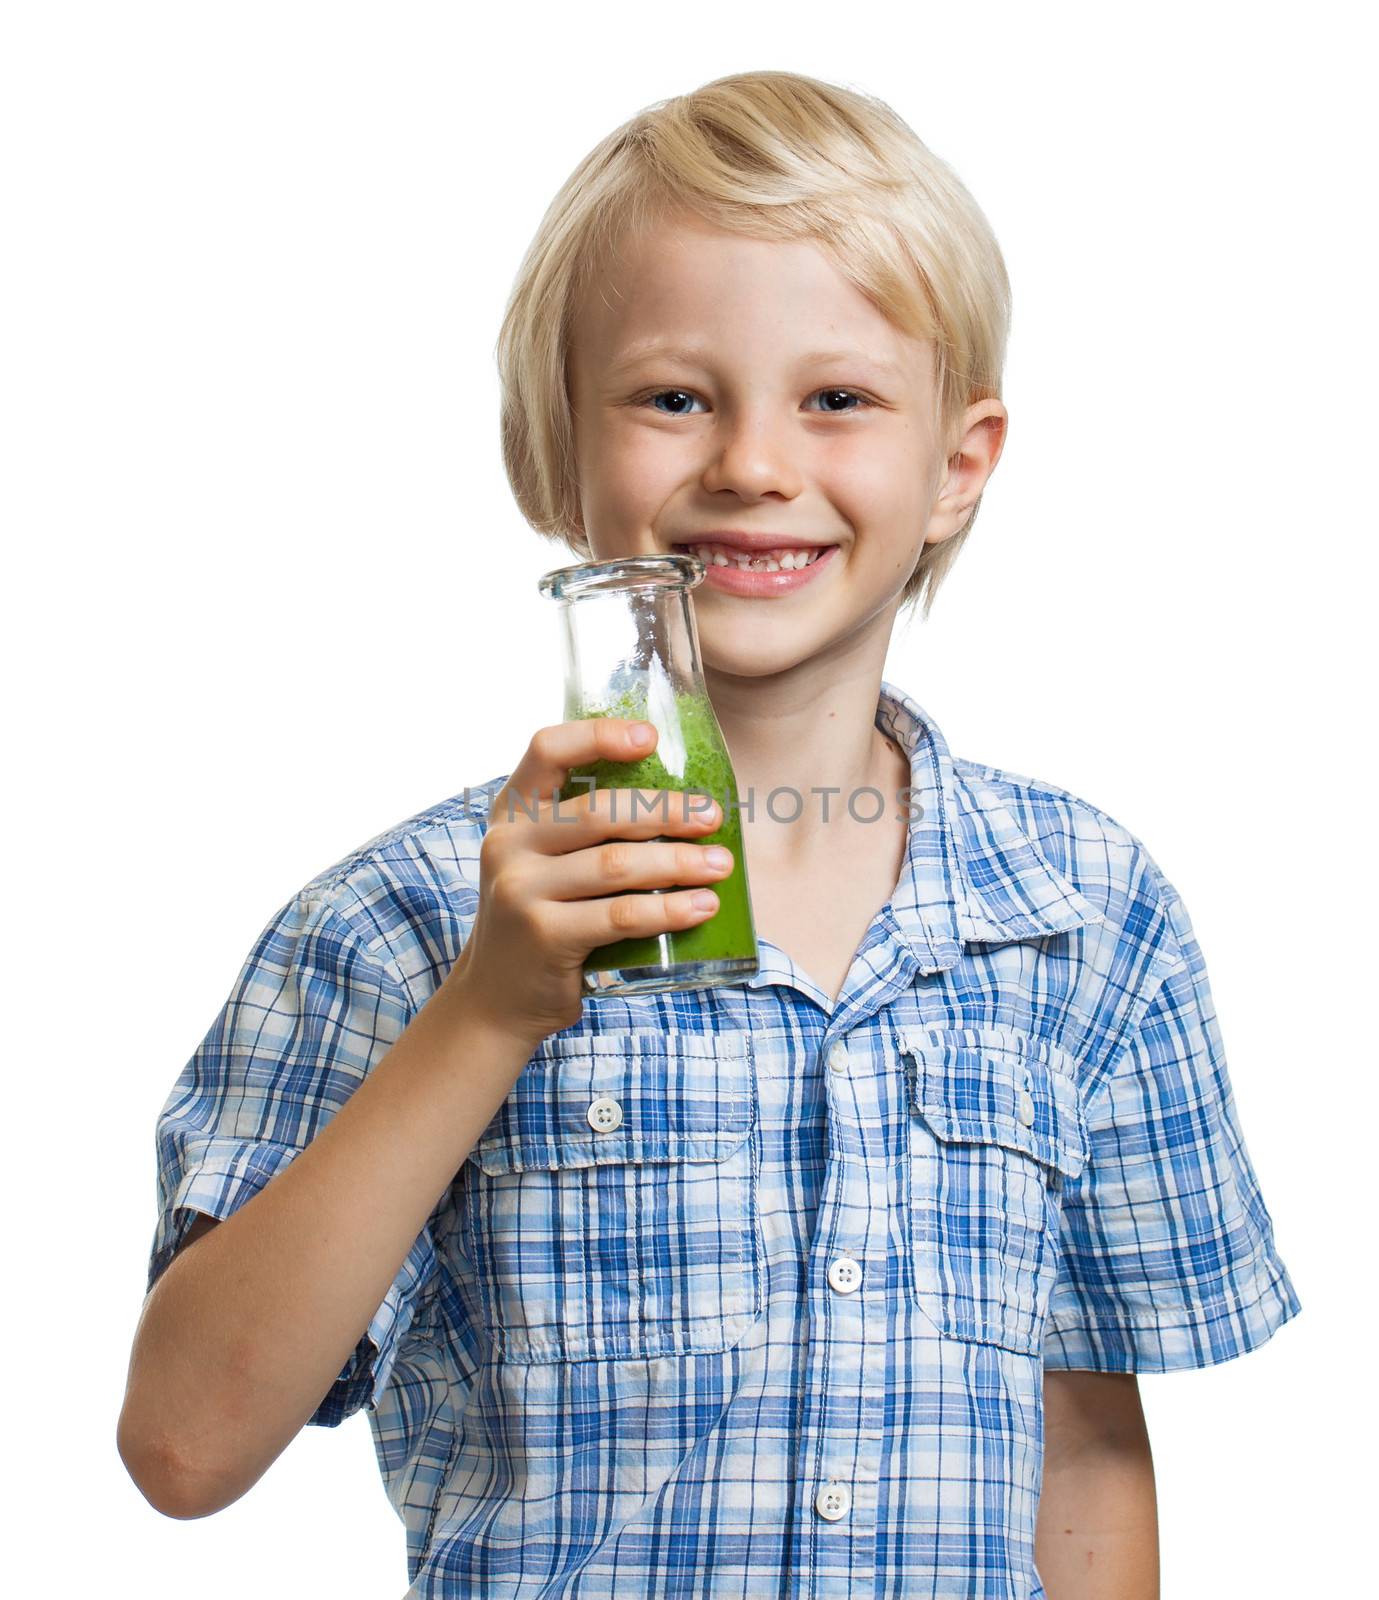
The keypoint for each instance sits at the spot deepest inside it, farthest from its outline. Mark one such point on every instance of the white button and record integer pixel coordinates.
(1025, 1108)
(605, 1114)
(845, 1275)
(838, 1058)
(832, 1501)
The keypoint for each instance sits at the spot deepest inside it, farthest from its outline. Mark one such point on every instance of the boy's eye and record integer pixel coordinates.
(842, 394)
(683, 395)
(670, 394)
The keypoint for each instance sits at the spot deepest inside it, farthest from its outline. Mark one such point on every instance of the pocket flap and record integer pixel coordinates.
(998, 1086)
(678, 1097)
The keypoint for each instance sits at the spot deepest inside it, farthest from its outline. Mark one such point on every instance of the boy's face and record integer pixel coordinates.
(757, 432)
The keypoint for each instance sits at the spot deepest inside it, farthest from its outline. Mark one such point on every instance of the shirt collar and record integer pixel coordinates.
(972, 872)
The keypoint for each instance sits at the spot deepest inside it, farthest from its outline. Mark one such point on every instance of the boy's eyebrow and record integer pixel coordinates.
(690, 355)
(817, 358)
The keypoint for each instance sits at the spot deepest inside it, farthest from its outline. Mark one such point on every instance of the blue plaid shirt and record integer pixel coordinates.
(744, 1292)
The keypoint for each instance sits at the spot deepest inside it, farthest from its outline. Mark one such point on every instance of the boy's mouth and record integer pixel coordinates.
(756, 556)
(767, 569)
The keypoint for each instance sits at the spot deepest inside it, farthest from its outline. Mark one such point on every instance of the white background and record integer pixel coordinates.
(265, 577)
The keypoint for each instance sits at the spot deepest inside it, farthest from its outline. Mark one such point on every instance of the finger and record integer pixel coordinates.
(590, 817)
(619, 865)
(553, 750)
(585, 925)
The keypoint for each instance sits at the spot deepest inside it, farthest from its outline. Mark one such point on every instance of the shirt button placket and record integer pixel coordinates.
(840, 1444)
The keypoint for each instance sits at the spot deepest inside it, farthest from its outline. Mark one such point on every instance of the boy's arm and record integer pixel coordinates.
(244, 1332)
(1097, 1536)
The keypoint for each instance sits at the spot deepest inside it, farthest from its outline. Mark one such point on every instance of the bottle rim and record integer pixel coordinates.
(627, 572)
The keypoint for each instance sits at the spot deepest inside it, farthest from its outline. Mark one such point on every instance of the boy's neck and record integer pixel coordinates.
(800, 736)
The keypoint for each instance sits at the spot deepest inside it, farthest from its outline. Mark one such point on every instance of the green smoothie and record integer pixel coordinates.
(729, 934)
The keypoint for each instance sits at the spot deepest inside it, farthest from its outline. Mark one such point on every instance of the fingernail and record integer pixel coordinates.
(717, 856)
(704, 900)
(641, 732)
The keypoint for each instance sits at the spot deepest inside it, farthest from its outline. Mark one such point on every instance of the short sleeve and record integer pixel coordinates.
(1167, 1253)
(312, 1011)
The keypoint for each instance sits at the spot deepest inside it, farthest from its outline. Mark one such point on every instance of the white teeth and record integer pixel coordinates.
(784, 560)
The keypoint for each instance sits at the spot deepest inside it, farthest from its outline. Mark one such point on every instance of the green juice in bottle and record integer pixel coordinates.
(728, 936)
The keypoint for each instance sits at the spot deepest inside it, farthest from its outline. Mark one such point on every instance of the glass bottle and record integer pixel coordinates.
(631, 650)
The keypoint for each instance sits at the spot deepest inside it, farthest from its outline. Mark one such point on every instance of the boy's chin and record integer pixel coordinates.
(786, 650)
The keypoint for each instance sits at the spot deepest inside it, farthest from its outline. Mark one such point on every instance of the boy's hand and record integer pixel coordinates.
(550, 891)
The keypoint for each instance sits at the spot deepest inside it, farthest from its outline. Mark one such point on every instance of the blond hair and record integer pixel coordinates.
(773, 155)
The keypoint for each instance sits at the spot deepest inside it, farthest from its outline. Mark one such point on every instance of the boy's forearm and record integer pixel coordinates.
(244, 1333)
(1098, 1534)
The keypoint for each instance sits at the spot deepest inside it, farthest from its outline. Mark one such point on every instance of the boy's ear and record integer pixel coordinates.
(970, 465)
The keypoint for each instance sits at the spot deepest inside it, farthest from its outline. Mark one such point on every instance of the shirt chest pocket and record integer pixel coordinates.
(612, 1201)
(996, 1126)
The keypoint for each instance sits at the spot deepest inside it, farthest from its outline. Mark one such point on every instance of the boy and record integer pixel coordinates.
(811, 1284)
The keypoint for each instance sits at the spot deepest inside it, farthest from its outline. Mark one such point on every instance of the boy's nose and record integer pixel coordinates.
(752, 457)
